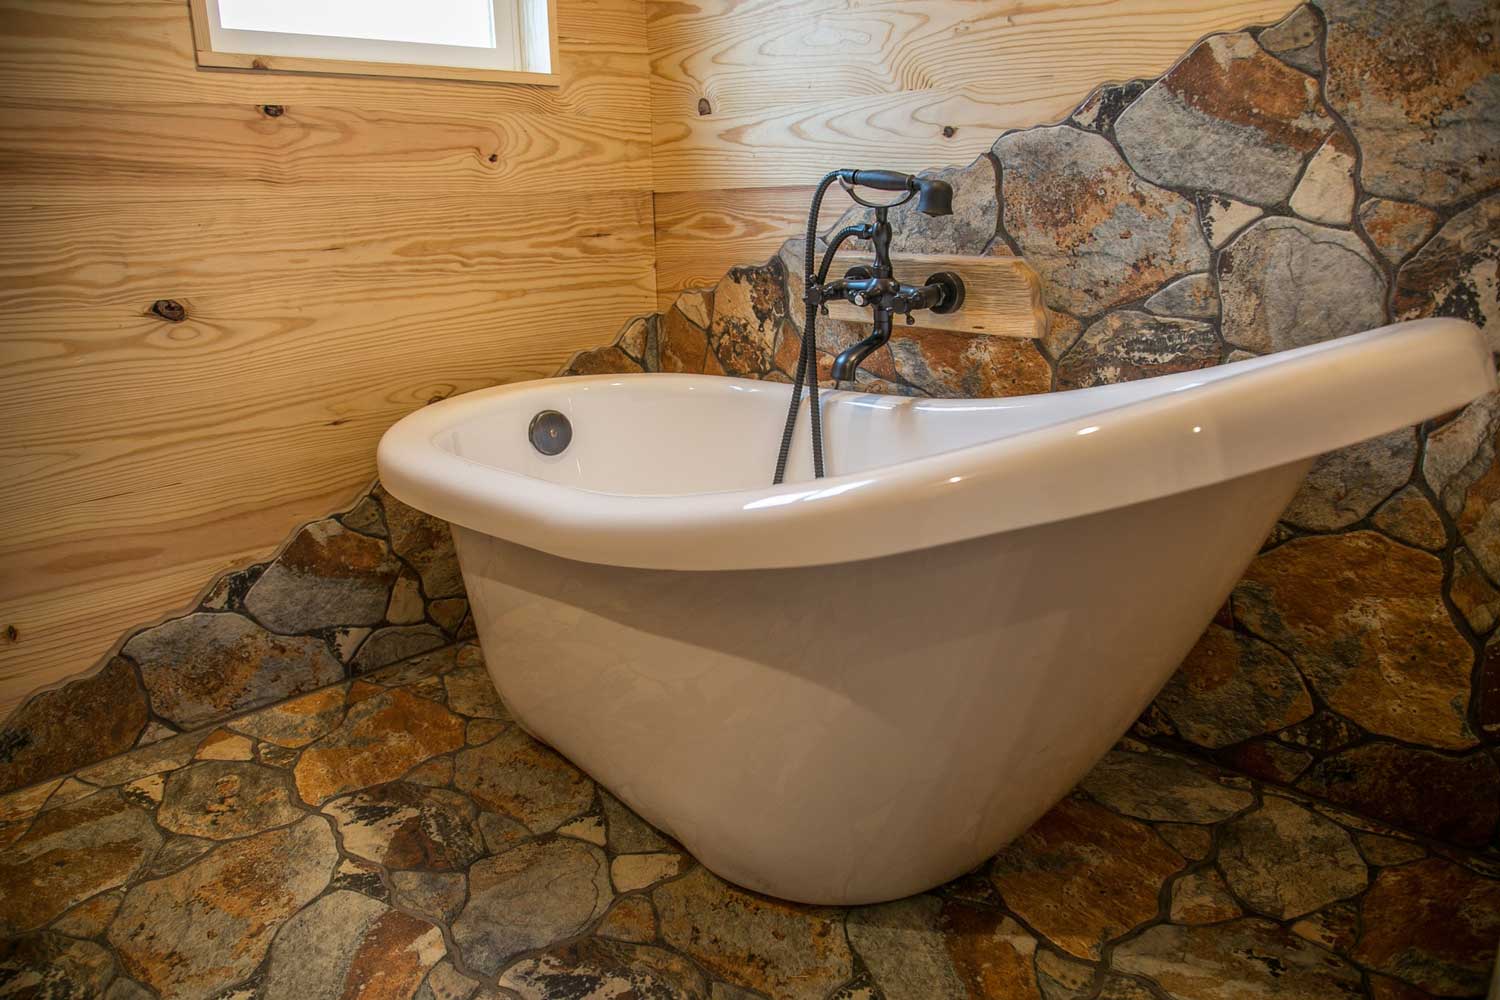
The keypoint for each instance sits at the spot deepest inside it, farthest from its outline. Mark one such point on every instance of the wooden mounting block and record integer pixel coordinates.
(1002, 295)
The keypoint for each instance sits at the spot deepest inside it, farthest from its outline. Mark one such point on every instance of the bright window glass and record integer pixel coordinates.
(506, 35)
(431, 22)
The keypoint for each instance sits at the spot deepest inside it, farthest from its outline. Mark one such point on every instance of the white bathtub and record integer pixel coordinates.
(852, 689)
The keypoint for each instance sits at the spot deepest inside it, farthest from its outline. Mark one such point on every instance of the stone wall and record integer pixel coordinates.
(1331, 173)
(345, 596)
(1324, 175)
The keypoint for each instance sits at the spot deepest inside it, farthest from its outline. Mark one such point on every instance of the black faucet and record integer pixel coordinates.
(876, 286)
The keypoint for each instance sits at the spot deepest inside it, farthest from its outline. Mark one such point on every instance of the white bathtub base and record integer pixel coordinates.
(863, 731)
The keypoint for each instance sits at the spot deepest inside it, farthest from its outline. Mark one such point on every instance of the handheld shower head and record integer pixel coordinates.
(934, 197)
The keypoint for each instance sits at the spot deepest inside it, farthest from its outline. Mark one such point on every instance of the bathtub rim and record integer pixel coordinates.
(1179, 433)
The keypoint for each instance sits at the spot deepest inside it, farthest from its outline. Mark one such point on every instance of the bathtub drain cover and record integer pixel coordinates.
(550, 432)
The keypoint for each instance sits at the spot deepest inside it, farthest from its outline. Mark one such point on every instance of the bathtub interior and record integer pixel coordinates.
(674, 436)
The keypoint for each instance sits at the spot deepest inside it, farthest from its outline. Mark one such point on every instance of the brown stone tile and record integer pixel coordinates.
(1229, 118)
(532, 896)
(50, 965)
(347, 945)
(426, 543)
(632, 918)
(69, 854)
(515, 775)
(1456, 799)
(683, 345)
(1409, 517)
(405, 825)
(1432, 924)
(41, 738)
(224, 745)
(1245, 959)
(1202, 898)
(1339, 289)
(91, 917)
(924, 947)
(946, 364)
(379, 740)
(1083, 875)
(1284, 860)
(1454, 274)
(1096, 232)
(471, 692)
(1129, 345)
(776, 947)
(1233, 687)
(1334, 927)
(222, 800)
(190, 933)
(1155, 785)
(608, 360)
(1191, 841)
(1396, 227)
(327, 576)
(208, 666)
(599, 968)
(1366, 622)
(1416, 83)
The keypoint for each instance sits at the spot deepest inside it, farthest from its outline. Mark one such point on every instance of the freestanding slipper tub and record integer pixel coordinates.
(851, 689)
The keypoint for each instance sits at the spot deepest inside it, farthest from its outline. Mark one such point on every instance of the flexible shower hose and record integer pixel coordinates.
(807, 358)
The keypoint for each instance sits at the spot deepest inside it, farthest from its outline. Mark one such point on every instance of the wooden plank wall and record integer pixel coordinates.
(356, 249)
(753, 100)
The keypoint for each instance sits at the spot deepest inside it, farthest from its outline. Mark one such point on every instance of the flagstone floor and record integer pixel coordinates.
(399, 836)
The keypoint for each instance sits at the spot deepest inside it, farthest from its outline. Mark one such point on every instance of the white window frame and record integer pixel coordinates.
(530, 26)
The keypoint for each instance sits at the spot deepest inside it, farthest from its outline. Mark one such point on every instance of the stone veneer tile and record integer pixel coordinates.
(528, 897)
(517, 776)
(1295, 40)
(207, 666)
(1229, 118)
(222, 800)
(1365, 619)
(379, 740)
(1244, 959)
(347, 944)
(1232, 687)
(69, 854)
(1285, 860)
(1339, 289)
(1129, 345)
(1432, 924)
(1452, 798)
(209, 925)
(1416, 82)
(599, 968)
(776, 947)
(1345, 485)
(1096, 233)
(1457, 272)
(327, 576)
(1083, 875)
(41, 738)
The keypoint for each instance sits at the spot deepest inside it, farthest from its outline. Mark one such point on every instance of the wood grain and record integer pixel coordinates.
(1002, 295)
(768, 95)
(698, 238)
(346, 249)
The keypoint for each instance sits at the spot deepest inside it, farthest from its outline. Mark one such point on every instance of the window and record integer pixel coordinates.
(506, 40)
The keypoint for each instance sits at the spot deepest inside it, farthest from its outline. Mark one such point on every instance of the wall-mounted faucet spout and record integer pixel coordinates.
(874, 286)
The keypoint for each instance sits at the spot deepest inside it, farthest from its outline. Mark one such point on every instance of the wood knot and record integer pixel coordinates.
(259, 63)
(494, 157)
(11, 633)
(272, 110)
(949, 131)
(169, 309)
(704, 108)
